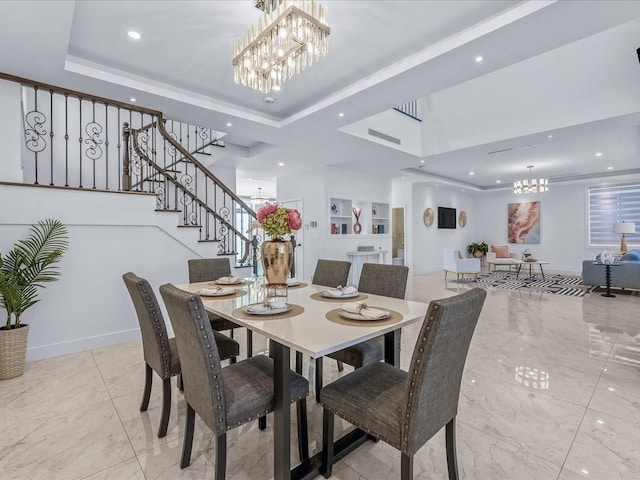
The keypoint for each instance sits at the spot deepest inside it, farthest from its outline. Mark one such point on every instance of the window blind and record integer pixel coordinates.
(609, 205)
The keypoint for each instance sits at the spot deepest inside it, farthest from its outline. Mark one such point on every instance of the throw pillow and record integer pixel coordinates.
(631, 255)
(501, 251)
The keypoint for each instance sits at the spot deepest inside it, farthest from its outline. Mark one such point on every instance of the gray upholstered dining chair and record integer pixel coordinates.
(405, 409)
(377, 279)
(207, 270)
(331, 273)
(224, 398)
(160, 352)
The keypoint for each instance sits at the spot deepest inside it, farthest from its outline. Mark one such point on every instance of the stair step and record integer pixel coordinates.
(227, 254)
(170, 210)
(189, 226)
(208, 240)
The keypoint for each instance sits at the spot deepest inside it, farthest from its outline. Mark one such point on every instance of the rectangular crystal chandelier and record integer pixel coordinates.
(291, 35)
(532, 185)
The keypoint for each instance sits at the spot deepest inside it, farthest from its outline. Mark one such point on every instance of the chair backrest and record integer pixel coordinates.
(381, 279)
(331, 273)
(437, 365)
(199, 357)
(155, 341)
(207, 269)
(449, 257)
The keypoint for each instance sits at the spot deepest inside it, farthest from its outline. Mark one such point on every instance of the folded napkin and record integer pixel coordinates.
(292, 281)
(229, 279)
(216, 291)
(365, 311)
(274, 307)
(340, 292)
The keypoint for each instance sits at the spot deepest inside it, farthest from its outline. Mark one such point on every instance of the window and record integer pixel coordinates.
(609, 205)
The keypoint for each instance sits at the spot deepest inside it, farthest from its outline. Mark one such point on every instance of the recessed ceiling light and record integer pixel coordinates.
(281, 164)
(134, 35)
(611, 389)
(132, 99)
(276, 88)
(549, 136)
(421, 161)
(609, 168)
(249, 178)
(472, 173)
(341, 114)
(479, 58)
(229, 124)
(586, 472)
(497, 181)
(598, 154)
(600, 421)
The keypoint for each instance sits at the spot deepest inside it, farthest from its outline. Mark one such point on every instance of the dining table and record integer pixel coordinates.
(314, 327)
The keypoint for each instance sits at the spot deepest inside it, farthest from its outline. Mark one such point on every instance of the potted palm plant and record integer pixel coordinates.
(23, 271)
(478, 249)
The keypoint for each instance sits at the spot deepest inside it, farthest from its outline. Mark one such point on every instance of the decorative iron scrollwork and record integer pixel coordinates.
(192, 218)
(34, 134)
(94, 150)
(160, 197)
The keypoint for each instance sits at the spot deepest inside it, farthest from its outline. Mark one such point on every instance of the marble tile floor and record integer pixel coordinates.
(551, 390)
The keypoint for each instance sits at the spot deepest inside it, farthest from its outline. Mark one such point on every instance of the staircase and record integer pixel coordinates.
(75, 140)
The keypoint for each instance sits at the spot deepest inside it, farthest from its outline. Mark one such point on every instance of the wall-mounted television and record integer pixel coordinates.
(446, 217)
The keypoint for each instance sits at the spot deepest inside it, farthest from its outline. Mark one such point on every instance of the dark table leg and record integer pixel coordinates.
(542, 272)
(281, 413)
(608, 280)
(391, 353)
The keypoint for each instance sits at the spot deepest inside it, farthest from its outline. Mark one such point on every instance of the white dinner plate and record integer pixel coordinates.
(326, 294)
(293, 284)
(209, 292)
(227, 282)
(357, 316)
(258, 309)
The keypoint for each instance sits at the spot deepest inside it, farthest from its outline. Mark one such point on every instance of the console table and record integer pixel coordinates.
(358, 258)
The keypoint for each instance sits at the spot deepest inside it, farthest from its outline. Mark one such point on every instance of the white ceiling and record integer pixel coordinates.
(381, 54)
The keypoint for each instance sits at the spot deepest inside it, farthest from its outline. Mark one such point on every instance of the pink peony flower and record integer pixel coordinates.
(265, 211)
(294, 219)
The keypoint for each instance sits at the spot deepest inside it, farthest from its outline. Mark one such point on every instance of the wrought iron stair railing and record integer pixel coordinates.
(73, 140)
(186, 185)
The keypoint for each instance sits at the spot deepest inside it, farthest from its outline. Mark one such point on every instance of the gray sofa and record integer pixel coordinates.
(626, 275)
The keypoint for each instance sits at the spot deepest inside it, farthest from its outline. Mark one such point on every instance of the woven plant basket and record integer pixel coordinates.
(13, 351)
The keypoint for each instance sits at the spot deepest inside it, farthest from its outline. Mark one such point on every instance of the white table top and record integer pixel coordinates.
(310, 332)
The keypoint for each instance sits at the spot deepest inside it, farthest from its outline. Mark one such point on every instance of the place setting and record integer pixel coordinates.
(273, 308)
(225, 292)
(340, 294)
(295, 283)
(363, 314)
(230, 280)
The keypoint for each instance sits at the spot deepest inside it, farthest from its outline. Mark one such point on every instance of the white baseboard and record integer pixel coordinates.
(73, 346)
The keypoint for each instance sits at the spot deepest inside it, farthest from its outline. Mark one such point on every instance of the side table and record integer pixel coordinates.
(607, 276)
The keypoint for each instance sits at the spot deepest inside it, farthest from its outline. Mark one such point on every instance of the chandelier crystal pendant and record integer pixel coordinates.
(532, 185)
(291, 35)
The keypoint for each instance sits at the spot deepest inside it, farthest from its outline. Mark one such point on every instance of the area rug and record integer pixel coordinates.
(553, 283)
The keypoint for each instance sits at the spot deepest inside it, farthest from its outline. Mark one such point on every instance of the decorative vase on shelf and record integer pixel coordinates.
(357, 227)
(277, 255)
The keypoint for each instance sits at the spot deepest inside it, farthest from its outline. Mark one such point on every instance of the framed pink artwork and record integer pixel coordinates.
(523, 225)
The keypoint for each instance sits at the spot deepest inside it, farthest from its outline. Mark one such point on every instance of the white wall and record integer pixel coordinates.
(563, 222)
(426, 243)
(110, 234)
(315, 188)
(11, 133)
